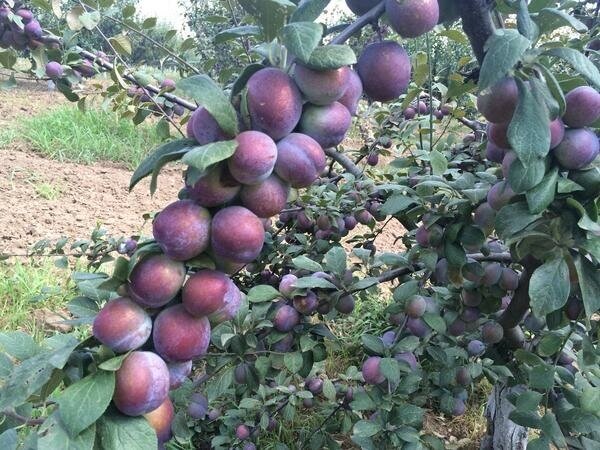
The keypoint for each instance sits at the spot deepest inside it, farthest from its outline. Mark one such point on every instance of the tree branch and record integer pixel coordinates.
(477, 24)
(513, 315)
(372, 16)
(344, 161)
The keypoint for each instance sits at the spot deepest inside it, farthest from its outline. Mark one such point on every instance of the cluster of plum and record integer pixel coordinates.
(421, 108)
(19, 29)
(572, 145)
(144, 96)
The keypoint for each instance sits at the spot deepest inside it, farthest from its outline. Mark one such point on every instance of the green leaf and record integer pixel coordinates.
(504, 49)
(118, 432)
(523, 178)
(122, 44)
(366, 428)
(128, 11)
(173, 149)
(202, 157)
(549, 287)
(236, 32)
(8, 439)
(373, 344)
(550, 344)
(551, 428)
(589, 283)
(455, 35)
(529, 129)
(549, 19)
(529, 401)
(18, 344)
(435, 321)
(396, 203)
(113, 364)
(90, 19)
(590, 400)
(309, 10)
(209, 95)
(82, 403)
(335, 260)
(542, 377)
(314, 282)
(150, 22)
(390, 369)
(439, 163)
(541, 196)
(293, 361)
(513, 218)
(362, 401)
(53, 435)
(524, 23)
(302, 38)
(580, 63)
(304, 262)
(271, 14)
(262, 293)
(331, 57)
(242, 80)
(554, 88)
(25, 379)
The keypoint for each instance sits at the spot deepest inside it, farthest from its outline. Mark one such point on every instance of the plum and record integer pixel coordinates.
(500, 195)
(198, 406)
(155, 280)
(364, 217)
(409, 113)
(306, 304)
(327, 124)
(557, 132)
(321, 87)
(179, 336)
(412, 18)
(161, 419)
(208, 291)
(284, 345)
(353, 91)
(371, 371)
(237, 234)
(33, 29)
(470, 298)
(203, 127)
(274, 102)
(498, 134)
(242, 432)
(122, 325)
(509, 279)
(415, 306)
(141, 383)
(457, 328)
(509, 158)
(25, 14)
(459, 407)
(182, 230)
(254, 158)
(168, 85)
(475, 348)
(388, 338)
(286, 318)
(300, 160)
(463, 377)
(494, 153)
(384, 69)
(314, 385)
(267, 198)
(216, 187)
(498, 102)
(407, 357)
(417, 327)
(350, 223)
(288, 284)
(345, 304)
(582, 107)
(54, 69)
(578, 148)
(492, 273)
(360, 7)
(470, 314)
(178, 373)
(429, 236)
(240, 373)
(484, 217)
(492, 332)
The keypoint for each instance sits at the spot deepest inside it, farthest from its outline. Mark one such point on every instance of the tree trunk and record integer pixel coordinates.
(502, 433)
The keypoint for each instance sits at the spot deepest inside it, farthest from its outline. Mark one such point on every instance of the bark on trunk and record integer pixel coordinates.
(502, 433)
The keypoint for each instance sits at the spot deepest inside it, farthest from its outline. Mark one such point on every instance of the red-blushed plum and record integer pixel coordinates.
(417, 327)
(384, 69)
(500, 195)
(86, 68)
(178, 373)
(155, 280)
(122, 325)
(321, 87)
(179, 336)
(182, 230)
(409, 113)
(230, 309)
(254, 157)
(498, 102)
(412, 18)
(498, 134)
(141, 383)
(360, 7)
(274, 102)
(484, 217)
(373, 159)
(509, 279)
(345, 304)
(249, 446)
(300, 160)
(286, 318)
(204, 128)
(237, 234)
(207, 291)
(491, 274)
(242, 432)
(509, 158)
(415, 306)
(492, 332)
(408, 357)
(267, 198)
(582, 107)
(578, 148)
(215, 188)
(353, 91)
(429, 237)
(371, 371)
(306, 304)
(161, 419)
(168, 84)
(54, 69)
(327, 124)
(557, 132)
(421, 107)
(288, 284)
(494, 153)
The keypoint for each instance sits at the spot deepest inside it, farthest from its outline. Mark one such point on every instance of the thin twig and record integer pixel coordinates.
(372, 16)
(22, 419)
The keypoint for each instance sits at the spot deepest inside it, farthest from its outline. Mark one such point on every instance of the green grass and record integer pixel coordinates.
(27, 286)
(67, 134)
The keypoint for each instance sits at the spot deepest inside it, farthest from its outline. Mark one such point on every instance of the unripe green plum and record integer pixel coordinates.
(582, 107)
(141, 383)
(321, 87)
(384, 69)
(412, 18)
(578, 148)
(498, 102)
